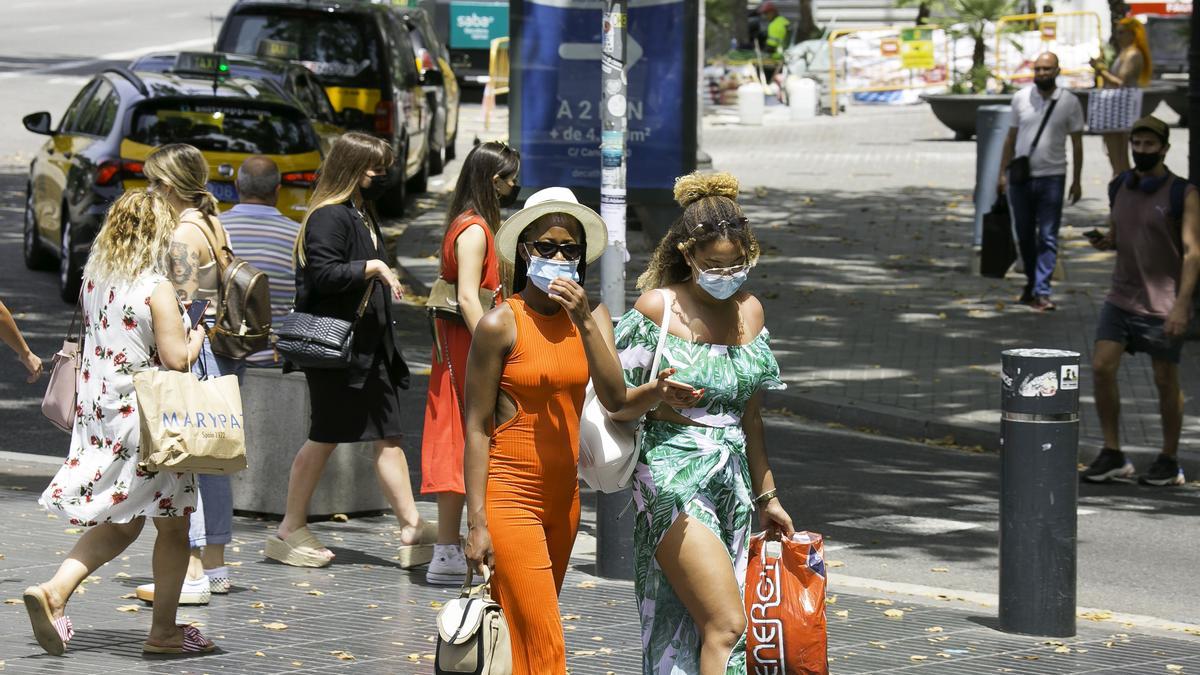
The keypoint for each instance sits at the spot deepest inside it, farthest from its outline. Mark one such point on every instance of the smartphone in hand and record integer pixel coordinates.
(196, 312)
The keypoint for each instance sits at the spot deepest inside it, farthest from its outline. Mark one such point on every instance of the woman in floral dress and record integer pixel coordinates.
(131, 322)
(703, 466)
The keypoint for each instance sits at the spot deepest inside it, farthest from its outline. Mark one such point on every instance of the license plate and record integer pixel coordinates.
(224, 192)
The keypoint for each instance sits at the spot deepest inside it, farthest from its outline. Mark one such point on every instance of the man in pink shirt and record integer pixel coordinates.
(1155, 230)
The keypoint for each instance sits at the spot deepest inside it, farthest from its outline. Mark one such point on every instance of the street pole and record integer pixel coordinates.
(1194, 99)
(1039, 489)
(614, 534)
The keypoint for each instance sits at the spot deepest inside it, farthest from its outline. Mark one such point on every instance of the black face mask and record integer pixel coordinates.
(1146, 161)
(377, 187)
(1046, 84)
(510, 198)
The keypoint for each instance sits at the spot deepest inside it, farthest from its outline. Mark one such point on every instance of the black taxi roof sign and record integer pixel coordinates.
(279, 49)
(203, 63)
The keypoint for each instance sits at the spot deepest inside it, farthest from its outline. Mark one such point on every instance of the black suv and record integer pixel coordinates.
(362, 52)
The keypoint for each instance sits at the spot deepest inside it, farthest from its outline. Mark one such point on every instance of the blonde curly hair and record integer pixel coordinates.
(708, 200)
(134, 240)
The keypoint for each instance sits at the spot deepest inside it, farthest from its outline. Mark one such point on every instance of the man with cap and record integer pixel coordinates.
(1033, 171)
(1154, 226)
(777, 28)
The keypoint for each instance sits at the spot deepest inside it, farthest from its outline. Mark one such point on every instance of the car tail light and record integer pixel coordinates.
(132, 168)
(108, 172)
(425, 60)
(299, 178)
(385, 115)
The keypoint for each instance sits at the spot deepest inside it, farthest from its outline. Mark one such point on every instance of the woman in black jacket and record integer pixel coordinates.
(339, 268)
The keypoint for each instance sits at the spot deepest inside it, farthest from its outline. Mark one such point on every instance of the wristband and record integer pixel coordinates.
(765, 497)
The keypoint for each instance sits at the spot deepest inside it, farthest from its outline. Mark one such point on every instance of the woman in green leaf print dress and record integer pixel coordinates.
(703, 465)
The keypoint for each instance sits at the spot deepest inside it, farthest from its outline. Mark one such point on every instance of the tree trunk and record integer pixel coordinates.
(1194, 99)
(808, 25)
(1116, 10)
(741, 28)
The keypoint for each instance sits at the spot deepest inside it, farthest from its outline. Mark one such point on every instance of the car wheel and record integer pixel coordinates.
(420, 182)
(393, 202)
(36, 256)
(70, 272)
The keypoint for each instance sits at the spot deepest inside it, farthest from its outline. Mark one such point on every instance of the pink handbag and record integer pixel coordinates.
(59, 403)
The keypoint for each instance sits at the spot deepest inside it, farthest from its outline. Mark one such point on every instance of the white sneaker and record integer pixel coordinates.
(218, 578)
(448, 567)
(195, 592)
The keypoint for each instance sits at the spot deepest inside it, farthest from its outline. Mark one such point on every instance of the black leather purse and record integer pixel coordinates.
(319, 342)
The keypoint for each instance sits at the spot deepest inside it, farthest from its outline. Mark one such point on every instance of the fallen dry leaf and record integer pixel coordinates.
(297, 663)
(345, 656)
(1174, 668)
(1062, 650)
(842, 613)
(435, 604)
(894, 613)
(939, 569)
(916, 657)
(586, 584)
(72, 530)
(258, 605)
(835, 563)
(414, 657)
(12, 601)
(1096, 616)
(340, 518)
(885, 603)
(571, 617)
(316, 593)
(302, 584)
(275, 625)
(129, 596)
(129, 608)
(933, 629)
(372, 606)
(584, 652)
(259, 654)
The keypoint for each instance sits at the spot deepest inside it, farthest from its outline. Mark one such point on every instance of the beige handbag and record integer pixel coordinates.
(472, 634)
(443, 300)
(190, 424)
(59, 402)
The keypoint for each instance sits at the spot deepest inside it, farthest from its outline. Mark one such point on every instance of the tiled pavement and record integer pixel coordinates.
(877, 320)
(364, 614)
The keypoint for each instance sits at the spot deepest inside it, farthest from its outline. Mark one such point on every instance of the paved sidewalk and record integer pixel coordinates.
(866, 226)
(364, 614)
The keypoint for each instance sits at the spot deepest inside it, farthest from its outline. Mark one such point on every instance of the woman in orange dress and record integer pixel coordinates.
(487, 182)
(528, 367)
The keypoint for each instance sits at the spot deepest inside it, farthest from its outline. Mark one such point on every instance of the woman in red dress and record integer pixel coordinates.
(488, 181)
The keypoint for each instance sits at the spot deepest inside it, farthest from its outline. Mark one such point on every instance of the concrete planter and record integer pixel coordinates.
(957, 111)
(277, 410)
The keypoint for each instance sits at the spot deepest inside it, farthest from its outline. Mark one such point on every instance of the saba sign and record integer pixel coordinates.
(473, 25)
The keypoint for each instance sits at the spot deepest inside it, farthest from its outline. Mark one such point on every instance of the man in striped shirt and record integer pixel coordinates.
(264, 237)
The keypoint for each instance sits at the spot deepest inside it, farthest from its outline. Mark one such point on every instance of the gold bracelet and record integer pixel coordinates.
(765, 497)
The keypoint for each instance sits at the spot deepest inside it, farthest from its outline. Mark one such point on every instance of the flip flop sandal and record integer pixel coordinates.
(193, 643)
(52, 634)
(419, 552)
(300, 549)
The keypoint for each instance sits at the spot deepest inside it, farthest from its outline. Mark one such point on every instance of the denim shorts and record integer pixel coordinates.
(1138, 333)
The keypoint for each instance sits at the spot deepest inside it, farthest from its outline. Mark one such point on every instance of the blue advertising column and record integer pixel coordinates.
(554, 102)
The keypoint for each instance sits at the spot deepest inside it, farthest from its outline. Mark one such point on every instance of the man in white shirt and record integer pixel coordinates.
(1036, 199)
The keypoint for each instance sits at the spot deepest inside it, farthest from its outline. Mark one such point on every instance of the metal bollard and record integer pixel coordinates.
(1039, 488)
(614, 535)
(991, 128)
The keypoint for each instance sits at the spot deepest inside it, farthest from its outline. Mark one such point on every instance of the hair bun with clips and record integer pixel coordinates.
(695, 186)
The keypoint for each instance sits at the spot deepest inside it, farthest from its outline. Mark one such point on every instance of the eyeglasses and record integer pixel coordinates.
(723, 271)
(548, 249)
(738, 223)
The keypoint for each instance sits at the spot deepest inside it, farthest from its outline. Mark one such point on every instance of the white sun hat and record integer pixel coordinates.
(547, 201)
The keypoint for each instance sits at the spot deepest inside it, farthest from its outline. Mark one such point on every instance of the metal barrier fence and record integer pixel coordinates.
(888, 59)
(1075, 37)
(497, 83)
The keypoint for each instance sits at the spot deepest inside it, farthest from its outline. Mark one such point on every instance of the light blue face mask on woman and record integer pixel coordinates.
(722, 286)
(542, 271)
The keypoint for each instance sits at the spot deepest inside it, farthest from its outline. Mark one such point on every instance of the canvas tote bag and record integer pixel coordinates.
(190, 424)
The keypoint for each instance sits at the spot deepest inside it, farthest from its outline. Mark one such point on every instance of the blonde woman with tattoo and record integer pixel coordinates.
(179, 173)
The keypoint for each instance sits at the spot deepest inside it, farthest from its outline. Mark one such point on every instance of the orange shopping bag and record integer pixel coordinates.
(785, 605)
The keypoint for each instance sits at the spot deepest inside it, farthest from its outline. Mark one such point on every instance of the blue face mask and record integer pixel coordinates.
(721, 286)
(542, 271)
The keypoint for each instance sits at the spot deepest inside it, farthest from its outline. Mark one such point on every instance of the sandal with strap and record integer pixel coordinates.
(52, 634)
(193, 643)
(300, 549)
(420, 551)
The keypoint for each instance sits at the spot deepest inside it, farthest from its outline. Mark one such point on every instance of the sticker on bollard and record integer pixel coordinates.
(1040, 381)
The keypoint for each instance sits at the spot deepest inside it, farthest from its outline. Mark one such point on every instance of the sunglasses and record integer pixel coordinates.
(548, 249)
(738, 223)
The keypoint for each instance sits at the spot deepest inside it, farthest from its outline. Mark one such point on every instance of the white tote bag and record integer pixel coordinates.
(608, 449)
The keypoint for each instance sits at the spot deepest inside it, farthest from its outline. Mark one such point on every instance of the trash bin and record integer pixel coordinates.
(992, 123)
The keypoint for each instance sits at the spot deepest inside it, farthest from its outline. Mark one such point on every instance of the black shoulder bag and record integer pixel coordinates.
(319, 342)
(1019, 171)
